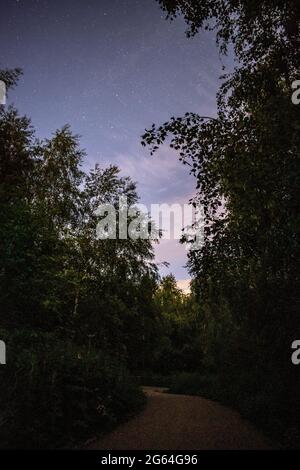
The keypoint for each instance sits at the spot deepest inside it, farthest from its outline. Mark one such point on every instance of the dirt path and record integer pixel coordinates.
(181, 422)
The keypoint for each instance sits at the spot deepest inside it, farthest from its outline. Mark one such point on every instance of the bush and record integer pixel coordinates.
(267, 406)
(155, 380)
(56, 393)
(193, 384)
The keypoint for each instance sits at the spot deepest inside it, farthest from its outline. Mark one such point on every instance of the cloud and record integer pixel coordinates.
(161, 179)
(184, 285)
(174, 253)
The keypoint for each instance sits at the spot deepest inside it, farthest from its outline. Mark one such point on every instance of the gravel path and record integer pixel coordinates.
(181, 422)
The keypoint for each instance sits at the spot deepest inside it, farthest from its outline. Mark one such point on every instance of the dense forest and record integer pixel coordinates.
(86, 321)
(82, 318)
(246, 163)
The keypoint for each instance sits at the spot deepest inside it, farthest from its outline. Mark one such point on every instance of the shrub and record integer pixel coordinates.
(55, 393)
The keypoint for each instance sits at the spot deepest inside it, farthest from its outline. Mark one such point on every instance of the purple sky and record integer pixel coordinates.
(110, 69)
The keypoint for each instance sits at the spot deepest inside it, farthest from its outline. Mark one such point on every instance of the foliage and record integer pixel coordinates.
(57, 393)
(178, 348)
(246, 164)
(78, 312)
(72, 306)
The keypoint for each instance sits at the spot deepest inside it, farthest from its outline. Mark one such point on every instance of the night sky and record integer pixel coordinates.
(110, 68)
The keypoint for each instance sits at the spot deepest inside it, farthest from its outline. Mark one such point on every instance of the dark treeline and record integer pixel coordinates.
(247, 166)
(83, 317)
(84, 320)
(73, 308)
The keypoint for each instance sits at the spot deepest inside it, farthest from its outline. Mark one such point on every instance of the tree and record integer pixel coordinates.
(72, 306)
(178, 348)
(246, 164)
